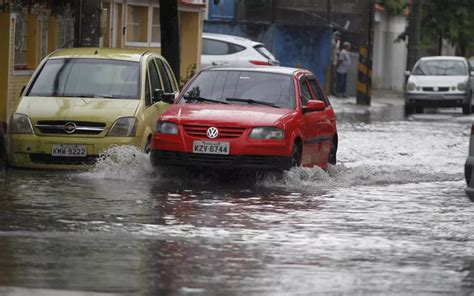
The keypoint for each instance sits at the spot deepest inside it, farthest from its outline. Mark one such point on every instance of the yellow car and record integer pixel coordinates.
(81, 101)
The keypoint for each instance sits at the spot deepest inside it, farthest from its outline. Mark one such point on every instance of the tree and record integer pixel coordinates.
(450, 20)
(394, 7)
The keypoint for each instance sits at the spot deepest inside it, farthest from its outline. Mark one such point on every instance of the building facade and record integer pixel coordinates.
(30, 30)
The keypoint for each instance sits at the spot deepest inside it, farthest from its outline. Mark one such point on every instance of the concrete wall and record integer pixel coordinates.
(389, 58)
(294, 46)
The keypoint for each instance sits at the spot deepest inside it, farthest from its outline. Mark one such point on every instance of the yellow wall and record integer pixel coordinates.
(31, 54)
(4, 35)
(52, 33)
(191, 44)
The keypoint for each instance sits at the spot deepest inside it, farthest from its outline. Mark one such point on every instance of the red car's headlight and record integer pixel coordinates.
(165, 127)
(267, 133)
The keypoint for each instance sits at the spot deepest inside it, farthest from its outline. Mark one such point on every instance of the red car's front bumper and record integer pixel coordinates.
(177, 150)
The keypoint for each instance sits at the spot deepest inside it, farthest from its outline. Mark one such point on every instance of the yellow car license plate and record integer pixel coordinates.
(69, 150)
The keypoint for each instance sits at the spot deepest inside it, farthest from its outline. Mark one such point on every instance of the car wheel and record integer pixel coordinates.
(409, 108)
(147, 148)
(296, 157)
(466, 109)
(332, 159)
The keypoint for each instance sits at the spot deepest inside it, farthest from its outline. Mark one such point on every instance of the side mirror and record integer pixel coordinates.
(471, 73)
(160, 96)
(314, 105)
(407, 73)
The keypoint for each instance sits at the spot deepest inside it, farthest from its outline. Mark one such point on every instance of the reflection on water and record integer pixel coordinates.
(390, 218)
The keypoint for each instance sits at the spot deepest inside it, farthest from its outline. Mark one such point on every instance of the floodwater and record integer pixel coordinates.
(390, 218)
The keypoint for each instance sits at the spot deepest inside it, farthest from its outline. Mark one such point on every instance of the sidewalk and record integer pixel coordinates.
(380, 99)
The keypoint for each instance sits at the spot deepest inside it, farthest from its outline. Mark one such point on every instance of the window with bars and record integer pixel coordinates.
(21, 42)
(66, 30)
(42, 37)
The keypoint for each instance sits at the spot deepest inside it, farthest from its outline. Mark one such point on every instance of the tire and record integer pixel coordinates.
(296, 156)
(147, 147)
(332, 158)
(467, 108)
(409, 109)
(418, 109)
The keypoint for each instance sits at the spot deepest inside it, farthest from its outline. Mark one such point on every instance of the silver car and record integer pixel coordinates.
(441, 81)
(234, 51)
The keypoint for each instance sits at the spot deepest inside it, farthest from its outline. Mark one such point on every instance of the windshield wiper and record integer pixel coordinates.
(201, 99)
(251, 101)
(87, 96)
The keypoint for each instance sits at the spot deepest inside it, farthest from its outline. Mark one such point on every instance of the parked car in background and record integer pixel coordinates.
(233, 51)
(81, 101)
(257, 118)
(441, 81)
(469, 167)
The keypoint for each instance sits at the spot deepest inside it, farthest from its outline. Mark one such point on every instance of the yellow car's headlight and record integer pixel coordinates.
(20, 124)
(123, 127)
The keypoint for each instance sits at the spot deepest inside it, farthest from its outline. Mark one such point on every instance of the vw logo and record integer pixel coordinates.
(69, 127)
(212, 132)
(435, 88)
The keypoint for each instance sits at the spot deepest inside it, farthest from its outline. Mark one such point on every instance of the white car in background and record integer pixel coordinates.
(233, 51)
(441, 81)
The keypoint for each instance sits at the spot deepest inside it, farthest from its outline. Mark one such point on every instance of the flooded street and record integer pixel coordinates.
(390, 218)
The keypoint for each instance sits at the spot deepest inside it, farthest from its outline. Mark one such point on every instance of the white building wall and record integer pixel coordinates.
(389, 59)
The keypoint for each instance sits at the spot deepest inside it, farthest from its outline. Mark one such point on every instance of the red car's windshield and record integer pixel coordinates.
(242, 87)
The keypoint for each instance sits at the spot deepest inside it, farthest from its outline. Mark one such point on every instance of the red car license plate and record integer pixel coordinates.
(211, 147)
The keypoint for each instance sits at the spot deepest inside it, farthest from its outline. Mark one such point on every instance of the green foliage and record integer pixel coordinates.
(452, 20)
(190, 71)
(394, 7)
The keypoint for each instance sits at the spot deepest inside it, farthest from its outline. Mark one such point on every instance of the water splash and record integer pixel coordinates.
(122, 163)
(339, 176)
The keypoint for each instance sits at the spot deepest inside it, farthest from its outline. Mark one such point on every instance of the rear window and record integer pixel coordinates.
(216, 47)
(88, 78)
(272, 88)
(440, 68)
(264, 52)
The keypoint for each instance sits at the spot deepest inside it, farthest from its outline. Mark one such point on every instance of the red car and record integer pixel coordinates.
(258, 118)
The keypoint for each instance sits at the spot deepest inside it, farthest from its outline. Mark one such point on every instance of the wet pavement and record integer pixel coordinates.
(390, 218)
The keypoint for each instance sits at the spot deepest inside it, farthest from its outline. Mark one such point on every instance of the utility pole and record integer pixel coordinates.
(364, 72)
(87, 31)
(414, 29)
(169, 24)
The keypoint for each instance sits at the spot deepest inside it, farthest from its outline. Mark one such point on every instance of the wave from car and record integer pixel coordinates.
(256, 118)
(234, 51)
(79, 102)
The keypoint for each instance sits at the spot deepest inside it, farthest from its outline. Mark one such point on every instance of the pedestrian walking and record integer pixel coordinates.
(335, 44)
(343, 65)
